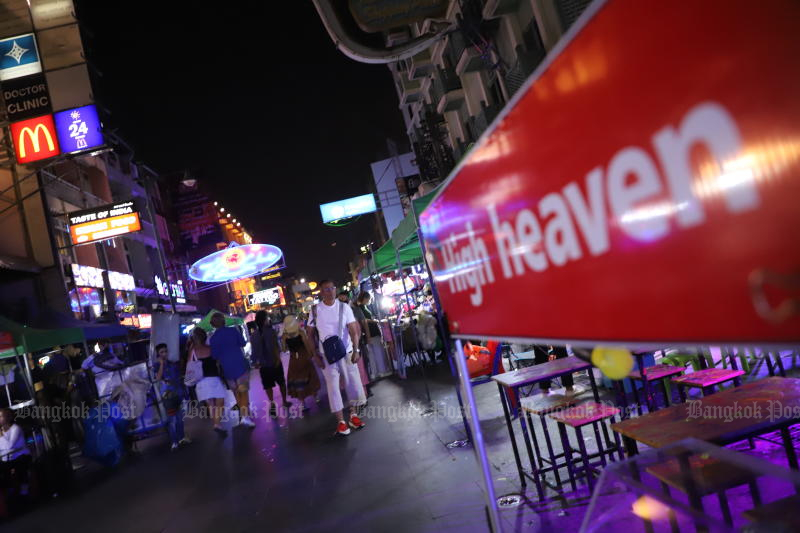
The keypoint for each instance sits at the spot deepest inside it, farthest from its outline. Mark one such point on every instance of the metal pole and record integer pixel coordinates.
(479, 445)
(443, 331)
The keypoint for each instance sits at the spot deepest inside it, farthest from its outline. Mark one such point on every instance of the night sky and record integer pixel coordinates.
(254, 100)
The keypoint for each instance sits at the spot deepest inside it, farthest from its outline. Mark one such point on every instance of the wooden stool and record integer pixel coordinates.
(583, 415)
(780, 512)
(541, 405)
(707, 475)
(654, 373)
(706, 380)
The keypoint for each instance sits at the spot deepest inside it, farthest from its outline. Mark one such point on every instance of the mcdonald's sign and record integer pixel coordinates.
(35, 139)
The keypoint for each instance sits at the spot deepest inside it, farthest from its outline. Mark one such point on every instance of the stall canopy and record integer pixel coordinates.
(404, 239)
(34, 339)
(91, 331)
(229, 320)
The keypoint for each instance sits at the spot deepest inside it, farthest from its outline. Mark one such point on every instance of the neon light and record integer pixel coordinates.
(235, 262)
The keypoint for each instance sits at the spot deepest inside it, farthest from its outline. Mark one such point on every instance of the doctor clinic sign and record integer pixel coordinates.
(636, 194)
(35, 139)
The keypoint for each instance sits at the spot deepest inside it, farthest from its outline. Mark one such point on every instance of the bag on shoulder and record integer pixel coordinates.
(194, 370)
(333, 345)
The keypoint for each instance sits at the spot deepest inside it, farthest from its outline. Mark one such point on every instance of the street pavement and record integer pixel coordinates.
(293, 475)
(290, 474)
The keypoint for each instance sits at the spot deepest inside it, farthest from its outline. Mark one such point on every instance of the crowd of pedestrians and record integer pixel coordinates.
(330, 342)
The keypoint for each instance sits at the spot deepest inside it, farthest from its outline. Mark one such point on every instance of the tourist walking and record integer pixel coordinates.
(335, 333)
(226, 347)
(302, 379)
(267, 358)
(210, 389)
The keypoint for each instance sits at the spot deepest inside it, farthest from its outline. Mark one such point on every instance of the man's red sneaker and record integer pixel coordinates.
(356, 422)
(342, 429)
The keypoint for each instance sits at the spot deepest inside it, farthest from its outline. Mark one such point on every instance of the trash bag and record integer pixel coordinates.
(102, 442)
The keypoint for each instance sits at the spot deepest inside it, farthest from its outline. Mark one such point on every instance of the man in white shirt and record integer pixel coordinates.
(332, 317)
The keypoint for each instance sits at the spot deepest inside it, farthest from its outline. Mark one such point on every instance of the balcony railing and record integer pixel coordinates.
(480, 122)
(524, 66)
(446, 91)
(498, 8)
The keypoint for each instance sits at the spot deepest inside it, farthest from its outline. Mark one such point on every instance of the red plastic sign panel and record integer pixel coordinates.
(35, 139)
(645, 188)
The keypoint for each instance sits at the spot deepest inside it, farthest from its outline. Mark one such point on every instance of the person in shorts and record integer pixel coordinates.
(227, 347)
(267, 358)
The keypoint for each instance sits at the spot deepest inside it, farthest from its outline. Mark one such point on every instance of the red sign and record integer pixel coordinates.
(6, 340)
(643, 189)
(35, 139)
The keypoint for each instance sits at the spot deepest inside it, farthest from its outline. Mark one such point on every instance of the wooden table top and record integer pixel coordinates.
(542, 372)
(721, 418)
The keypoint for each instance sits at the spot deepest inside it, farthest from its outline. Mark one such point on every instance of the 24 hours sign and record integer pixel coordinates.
(78, 129)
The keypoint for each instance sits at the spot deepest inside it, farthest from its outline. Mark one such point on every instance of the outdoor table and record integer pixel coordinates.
(530, 376)
(723, 418)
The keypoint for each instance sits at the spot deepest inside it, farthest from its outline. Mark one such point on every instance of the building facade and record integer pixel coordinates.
(451, 92)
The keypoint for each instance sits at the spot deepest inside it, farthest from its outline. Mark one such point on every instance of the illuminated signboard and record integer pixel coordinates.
(236, 262)
(87, 276)
(35, 139)
(273, 296)
(19, 57)
(271, 276)
(78, 129)
(143, 321)
(121, 282)
(351, 207)
(103, 222)
(177, 290)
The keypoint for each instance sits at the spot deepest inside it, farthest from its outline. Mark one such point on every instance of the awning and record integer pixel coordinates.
(404, 239)
(33, 339)
(407, 229)
(229, 320)
(386, 260)
(91, 331)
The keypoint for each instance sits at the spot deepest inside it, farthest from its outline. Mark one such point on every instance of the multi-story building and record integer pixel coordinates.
(205, 226)
(451, 92)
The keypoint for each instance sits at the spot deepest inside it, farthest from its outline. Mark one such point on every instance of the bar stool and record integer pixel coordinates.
(705, 476)
(654, 373)
(708, 378)
(779, 513)
(584, 414)
(541, 406)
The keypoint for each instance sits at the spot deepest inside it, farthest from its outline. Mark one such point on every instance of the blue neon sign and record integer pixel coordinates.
(78, 129)
(350, 207)
(235, 262)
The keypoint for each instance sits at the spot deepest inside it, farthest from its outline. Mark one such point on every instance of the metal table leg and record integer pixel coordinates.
(788, 445)
(592, 380)
(503, 400)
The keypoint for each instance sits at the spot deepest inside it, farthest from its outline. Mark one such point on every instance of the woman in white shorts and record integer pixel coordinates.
(210, 389)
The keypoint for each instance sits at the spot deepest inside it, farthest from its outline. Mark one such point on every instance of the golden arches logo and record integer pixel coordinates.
(33, 135)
